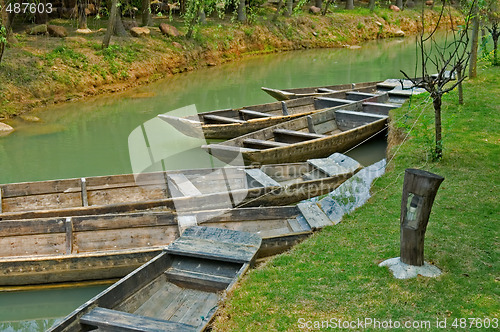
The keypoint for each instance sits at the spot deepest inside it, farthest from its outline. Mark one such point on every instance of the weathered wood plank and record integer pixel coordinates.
(198, 280)
(1, 199)
(112, 320)
(261, 177)
(249, 114)
(294, 225)
(310, 125)
(262, 144)
(182, 184)
(315, 217)
(327, 166)
(186, 221)
(293, 136)
(209, 118)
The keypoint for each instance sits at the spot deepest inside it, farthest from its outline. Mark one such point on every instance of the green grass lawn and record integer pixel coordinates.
(334, 274)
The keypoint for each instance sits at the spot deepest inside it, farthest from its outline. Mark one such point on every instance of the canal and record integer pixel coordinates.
(91, 137)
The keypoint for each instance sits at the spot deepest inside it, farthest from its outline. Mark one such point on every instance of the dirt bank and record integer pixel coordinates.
(40, 70)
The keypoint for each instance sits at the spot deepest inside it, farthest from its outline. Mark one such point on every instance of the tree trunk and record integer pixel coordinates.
(82, 15)
(119, 29)
(349, 4)
(327, 5)
(289, 7)
(399, 3)
(473, 49)
(437, 119)
(242, 17)
(111, 24)
(277, 14)
(319, 3)
(146, 12)
(182, 6)
(41, 17)
(372, 5)
(202, 17)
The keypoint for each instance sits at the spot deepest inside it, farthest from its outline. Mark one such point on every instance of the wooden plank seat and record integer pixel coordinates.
(293, 136)
(356, 95)
(261, 144)
(260, 177)
(326, 102)
(195, 279)
(215, 243)
(378, 108)
(182, 185)
(314, 216)
(249, 114)
(210, 118)
(113, 320)
(326, 90)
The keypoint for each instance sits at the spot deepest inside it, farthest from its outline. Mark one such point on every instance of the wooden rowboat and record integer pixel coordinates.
(178, 290)
(230, 123)
(55, 250)
(185, 190)
(313, 136)
(393, 86)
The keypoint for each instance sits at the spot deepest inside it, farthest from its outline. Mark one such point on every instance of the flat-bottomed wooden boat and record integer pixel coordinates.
(200, 189)
(230, 123)
(178, 290)
(55, 250)
(313, 136)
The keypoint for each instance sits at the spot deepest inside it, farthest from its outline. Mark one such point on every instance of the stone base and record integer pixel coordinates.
(401, 270)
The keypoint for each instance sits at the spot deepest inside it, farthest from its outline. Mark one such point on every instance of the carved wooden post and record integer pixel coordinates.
(419, 190)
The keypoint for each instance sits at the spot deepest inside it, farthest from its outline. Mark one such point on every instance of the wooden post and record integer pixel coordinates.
(419, 190)
(310, 125)
(69, 235)
(85, 201)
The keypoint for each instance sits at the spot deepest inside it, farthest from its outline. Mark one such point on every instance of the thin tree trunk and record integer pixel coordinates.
(82, 15)
(277, 14)
(437, 119)
(349, 4)
(319, 3)
(473, 50)
(146, 12)
(111, 24)
(399, 4)
(242, 16)
(327, 5)
(289, 7)
(372, 5)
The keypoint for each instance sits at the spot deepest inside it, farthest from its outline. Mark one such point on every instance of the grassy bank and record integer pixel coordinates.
(42, 70)
(334, 274)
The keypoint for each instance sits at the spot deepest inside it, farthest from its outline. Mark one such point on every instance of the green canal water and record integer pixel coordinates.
(91, 137)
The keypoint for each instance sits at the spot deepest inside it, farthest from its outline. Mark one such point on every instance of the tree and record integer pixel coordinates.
(289, 8)
(399, 4)
(494, 19)
(82, 15)
(445, 60)
(146, 12)
(349, 4)
(372, 5)
(111, 24)
(474, 43)
(242, 17)
(327, 5)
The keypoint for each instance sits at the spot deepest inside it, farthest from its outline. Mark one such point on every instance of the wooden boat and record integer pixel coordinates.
(184, 190)
(313, 136)
(178, 290)
(55, 250)
(392, 86)
(230, 123)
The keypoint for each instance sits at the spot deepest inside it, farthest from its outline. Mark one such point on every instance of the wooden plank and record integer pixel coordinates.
(293, 136)
(284, 109)
(326, 90)
(85, 199)
(108, 319)
(154, 301)
(261, 144)
(356, 95)
(315, 217)
(210, 119)
(249, 114)
(69, 235)
(205, 304)
(294, 225)
(328, 166)
(198, 280)
(213, 250)
(261, 177)
(182, 184)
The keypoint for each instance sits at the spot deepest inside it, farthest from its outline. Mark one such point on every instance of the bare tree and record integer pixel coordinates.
(494, 19)
(82, 15)
(474, 43)
(445, 60)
